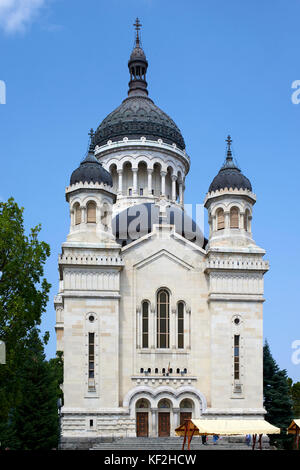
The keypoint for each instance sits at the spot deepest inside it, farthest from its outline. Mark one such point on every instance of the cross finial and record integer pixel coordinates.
(137, 26)
(91, 133)
(229, 142)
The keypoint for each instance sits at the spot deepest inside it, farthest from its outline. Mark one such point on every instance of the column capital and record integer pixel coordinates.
(120, 171)
(163, 173)
(149, 171)
(174, 177)
(134, 170)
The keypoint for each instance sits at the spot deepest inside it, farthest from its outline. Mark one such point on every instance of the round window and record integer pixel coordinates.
(237, 321)
(91, 318)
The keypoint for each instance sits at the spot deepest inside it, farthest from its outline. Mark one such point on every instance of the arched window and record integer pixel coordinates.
(163, 319)
(77, 212)
(220, 219)
(180, 324)
(234, 217)
(246, 220)
(91, 212)
(145, 325)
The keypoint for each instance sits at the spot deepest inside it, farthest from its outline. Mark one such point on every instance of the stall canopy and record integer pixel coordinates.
(228, 427)
(294, 426)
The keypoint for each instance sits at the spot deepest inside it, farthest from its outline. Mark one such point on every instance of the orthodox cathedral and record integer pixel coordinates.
(156, 323)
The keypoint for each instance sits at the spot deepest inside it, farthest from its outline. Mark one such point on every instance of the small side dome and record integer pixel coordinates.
(91, 171)
(230, 176)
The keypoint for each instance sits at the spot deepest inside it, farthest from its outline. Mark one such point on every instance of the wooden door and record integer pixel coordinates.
(164, 424)
(142, 424)
(184, 415)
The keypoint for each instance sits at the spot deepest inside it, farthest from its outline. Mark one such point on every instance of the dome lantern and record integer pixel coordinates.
(137, 65)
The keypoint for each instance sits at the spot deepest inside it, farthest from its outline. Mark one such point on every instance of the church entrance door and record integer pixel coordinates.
(183, 416)
(164, 424)
(142, 424)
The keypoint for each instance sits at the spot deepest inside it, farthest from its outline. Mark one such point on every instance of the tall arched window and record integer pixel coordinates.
(163, 318)
(77, 212)
(145, 325)
(220, 219)
(234, 217)
(246, 220)
(91, 212)
(180, 324)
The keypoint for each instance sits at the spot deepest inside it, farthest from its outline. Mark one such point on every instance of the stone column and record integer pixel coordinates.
(180, 193)
(138, 328)
(187, 320)
(174, 179)
(163, 182)
(83, 215)
(227, 219)
(173, 328)
(120, 182)
(154, 430)
(134, 172)
(150, 171)
(153, 327)
(176, 418)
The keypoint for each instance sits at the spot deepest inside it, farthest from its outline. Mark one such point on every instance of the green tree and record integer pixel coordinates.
(277, 400)
(34, 420)
(294, 389)
(23, 299)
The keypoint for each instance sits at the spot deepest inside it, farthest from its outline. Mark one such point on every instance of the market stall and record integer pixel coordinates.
(225, 427)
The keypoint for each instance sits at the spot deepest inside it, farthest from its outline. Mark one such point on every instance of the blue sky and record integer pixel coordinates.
(215, 67)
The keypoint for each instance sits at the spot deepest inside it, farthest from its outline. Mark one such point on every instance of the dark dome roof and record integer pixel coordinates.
(146, 215)
(138, 116)
(230, 176)
(91, 171)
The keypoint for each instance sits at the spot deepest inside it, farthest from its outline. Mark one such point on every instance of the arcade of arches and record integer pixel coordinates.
(159, 421)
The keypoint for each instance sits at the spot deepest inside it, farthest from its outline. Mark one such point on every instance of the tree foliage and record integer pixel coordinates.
(277, 400)
(294, 389)
(28, 383)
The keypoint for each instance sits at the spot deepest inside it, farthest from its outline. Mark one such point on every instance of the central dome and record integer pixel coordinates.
(138, 116)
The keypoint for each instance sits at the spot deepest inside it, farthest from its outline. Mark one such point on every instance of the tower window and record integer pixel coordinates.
(145, 325)
(163, 319)
(91, 212)
(91, 362)
(77, 214)
(130, 192)
(141, 191)
(180, 325)
(234, 217)
(236, 357)
(220, 219)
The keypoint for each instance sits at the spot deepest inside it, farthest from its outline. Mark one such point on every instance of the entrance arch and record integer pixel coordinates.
(154, 397)
(164, 417)
(142, 417)
(186, 409)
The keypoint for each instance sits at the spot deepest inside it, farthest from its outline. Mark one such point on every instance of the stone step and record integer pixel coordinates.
(171, 443)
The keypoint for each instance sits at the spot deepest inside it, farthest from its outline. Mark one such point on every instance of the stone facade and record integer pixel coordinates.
(102, 289)
(157, 327)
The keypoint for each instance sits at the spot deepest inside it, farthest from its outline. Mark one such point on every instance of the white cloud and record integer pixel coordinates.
(16, 14)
